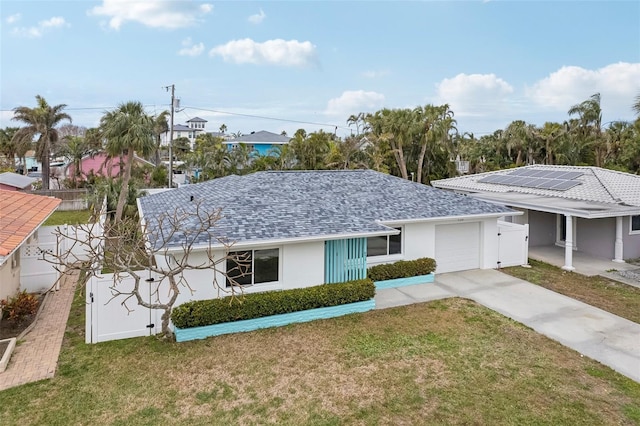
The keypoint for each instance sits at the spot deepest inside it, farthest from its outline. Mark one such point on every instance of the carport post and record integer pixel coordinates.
(618, 250)
(568, 245)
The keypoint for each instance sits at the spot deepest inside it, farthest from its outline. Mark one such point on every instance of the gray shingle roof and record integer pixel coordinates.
(261, 137)
(267, 206)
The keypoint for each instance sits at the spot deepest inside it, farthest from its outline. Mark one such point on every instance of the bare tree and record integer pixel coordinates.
(131, 249)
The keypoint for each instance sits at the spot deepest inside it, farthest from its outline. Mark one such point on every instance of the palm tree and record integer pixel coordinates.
(127, 129)
(636, 105)
(589, 115)
(41, 122)
(160, 126)
(74, 150)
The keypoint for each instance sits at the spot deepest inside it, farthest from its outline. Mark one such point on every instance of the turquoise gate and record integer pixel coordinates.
(345, 260)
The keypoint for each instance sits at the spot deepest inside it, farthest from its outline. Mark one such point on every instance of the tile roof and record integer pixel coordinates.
(260, 137)
(291, 205)
(596, 185)
(20, 215)
(16, 180)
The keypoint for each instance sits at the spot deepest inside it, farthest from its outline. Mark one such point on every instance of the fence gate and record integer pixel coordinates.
(107, 318)
(513, 244)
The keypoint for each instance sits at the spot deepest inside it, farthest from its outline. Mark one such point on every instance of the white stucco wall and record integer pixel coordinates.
(9, 278)
(302, 265)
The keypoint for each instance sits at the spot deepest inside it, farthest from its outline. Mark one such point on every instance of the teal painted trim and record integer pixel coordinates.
(345, 260)
(401, 282)
(186, 334)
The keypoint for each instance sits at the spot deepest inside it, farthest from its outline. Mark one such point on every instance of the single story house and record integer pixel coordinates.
(305, 228)
(261, 141)
(21, 215)
(102, 164)
(14, 182)
(590, 209)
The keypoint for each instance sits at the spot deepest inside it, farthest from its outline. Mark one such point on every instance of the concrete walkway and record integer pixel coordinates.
(604, 337)
(36, 356)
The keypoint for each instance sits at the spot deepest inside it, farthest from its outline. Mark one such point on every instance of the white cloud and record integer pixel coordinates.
(155, 14)
(190, 49)
(474, 94)
(375, 73)
(354, 102)
(257, 18)
(617, 84)
(290, 53)
(41, 28)
(12, 19)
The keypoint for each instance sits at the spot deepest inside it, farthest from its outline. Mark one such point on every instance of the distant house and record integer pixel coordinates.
(587, 209)
(261, 141)
(14, 182)
(102, 165)
(191, 130)
(20, 217)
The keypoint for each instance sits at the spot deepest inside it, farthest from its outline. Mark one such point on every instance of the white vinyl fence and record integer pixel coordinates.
(513, 244)
(107, 318)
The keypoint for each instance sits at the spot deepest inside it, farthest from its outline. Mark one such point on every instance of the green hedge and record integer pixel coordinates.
(256, 305)
(402, 269)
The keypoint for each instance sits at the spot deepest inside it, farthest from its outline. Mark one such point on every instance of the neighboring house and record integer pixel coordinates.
(589, 209)
(102, 165)
(261, 141)
(191, 130)
(305, 228)
(20, 217)
(14, 182)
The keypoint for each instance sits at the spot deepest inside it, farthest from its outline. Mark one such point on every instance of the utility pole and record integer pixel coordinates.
(173, 103)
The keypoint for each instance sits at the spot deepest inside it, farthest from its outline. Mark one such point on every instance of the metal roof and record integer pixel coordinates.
(298, 205)
(260, 137)
(16, 180)
(599, 192)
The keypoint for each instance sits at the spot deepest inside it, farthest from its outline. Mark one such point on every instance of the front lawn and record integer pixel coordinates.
(444, 362)
(609, 295)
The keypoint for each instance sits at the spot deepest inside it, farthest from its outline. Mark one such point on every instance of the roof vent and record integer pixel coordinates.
(191, 198)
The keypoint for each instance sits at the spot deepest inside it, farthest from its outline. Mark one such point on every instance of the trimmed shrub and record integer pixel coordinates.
(256, 305)
(19, 307)
(402, 269)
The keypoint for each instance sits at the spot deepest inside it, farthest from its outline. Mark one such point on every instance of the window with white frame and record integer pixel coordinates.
(634, 225)
(385, 245)
(253, 267)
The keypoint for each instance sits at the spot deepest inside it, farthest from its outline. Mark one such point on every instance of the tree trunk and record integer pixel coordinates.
(124, 190)
(46, 170)
(423, 151)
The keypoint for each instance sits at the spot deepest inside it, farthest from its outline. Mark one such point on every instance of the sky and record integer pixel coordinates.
(284, 65)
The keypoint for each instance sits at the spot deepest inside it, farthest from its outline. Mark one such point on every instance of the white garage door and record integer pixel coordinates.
(457, 247)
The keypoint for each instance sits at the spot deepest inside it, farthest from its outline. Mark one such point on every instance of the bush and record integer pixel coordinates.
(19, 307)
(256, 305)
(402, 269)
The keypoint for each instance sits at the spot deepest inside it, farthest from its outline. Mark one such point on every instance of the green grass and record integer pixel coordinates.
(446, 362)
(609, 295)
(72, 217)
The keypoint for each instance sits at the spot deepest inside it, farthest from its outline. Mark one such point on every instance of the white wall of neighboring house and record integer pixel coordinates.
(10, 276)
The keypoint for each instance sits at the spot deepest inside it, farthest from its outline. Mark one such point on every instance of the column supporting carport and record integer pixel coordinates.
(568, 245)
(619, 246)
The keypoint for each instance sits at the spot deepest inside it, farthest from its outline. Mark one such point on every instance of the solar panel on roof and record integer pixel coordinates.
(555, 173)
(570, 175)
(567, 184)
(519, 172)
(539, 173)
(489, 179)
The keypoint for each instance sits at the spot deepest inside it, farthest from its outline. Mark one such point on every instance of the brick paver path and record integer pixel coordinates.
(36, 358)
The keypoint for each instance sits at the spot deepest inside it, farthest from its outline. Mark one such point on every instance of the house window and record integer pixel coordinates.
(385, 245)
(635, 224)
(253, 267)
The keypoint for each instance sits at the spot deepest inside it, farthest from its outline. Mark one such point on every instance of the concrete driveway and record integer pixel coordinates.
(607, 338)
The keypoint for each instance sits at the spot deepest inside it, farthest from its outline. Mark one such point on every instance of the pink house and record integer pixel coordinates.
(102, 165)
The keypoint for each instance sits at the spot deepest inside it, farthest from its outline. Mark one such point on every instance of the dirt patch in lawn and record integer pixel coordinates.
(604, 293)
